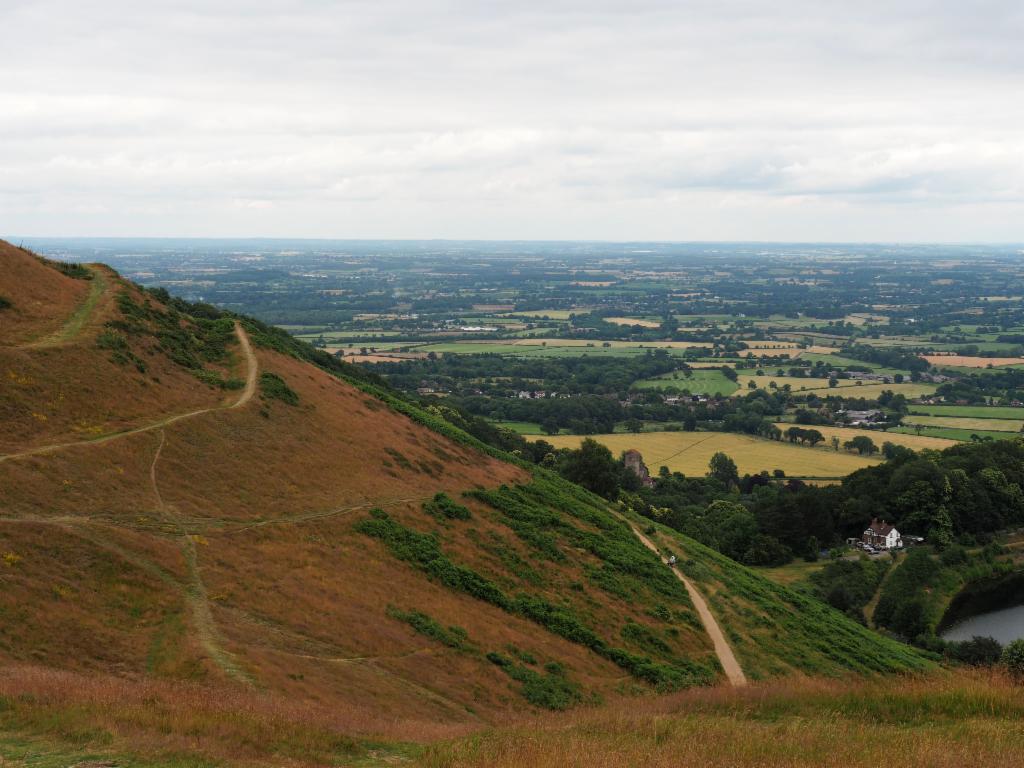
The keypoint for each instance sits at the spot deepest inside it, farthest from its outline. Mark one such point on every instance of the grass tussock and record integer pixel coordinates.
(941, 721)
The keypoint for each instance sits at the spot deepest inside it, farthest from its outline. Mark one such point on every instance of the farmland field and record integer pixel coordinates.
(962, 361)
(690, 452)
(849, 387)
(950, 433)
(912, 441)
(993, 425)
(969, 411)
(702, 381)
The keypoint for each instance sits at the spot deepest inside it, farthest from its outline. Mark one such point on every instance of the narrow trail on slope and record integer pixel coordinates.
(195, 591)
(245, 397)
(79, 318)
(872, 604)
(723, 650)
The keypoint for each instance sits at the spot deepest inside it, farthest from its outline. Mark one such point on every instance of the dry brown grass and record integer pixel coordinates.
(946, 721)
(41, 298)
(149, 718)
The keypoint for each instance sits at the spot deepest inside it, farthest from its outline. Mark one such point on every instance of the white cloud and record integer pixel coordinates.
(679, 120)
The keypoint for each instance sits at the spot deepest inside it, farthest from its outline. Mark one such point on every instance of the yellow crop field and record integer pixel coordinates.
(690, 452)
(633, 321)
(914, 442)
(993, 425)
(963, 361)
(820, 387)
(769, 344)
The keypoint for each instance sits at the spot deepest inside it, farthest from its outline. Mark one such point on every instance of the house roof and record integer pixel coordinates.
(881, 528)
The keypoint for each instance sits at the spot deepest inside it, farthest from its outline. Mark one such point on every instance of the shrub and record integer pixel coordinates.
(76, 271)
(453, 636)
(1013, 659)
(5, 303)
(978, 651)
(551, 690)
(273, 387)
(442, 506)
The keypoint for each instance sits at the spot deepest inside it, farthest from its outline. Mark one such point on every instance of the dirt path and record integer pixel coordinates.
(196, 595)
(79, 318)
(872, 604)
(252, 367)
(245, 397)
(723, 650)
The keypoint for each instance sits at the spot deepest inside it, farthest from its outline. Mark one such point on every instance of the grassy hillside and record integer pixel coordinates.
(942, 722)
(249, 520)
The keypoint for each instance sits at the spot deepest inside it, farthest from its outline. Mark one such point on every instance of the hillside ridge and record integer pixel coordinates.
(307, 533)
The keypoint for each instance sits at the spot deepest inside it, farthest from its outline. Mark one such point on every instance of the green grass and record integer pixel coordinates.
(521, 427)
(81, 315)
(702, 381)
(775, 630)
(969, 411)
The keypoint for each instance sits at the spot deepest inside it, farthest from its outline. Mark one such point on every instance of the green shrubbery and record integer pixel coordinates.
(121, 353)
(550, 690)
(849, 585)
(442, 506)
(453, 636)
(424, 552)
(1013, 659)
(273, 387)
(77, 271)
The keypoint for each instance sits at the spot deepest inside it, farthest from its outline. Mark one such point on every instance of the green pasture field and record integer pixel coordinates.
(969, 411)
(702, 381)
(963, 435)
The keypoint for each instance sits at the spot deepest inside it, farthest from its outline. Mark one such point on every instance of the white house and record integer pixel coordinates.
(882, 535)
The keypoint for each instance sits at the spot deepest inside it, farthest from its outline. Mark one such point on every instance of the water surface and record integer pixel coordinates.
(1005, 625)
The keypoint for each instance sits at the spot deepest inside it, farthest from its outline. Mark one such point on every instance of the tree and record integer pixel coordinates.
(1013, 659)
(635, 426)
(723, 469)
(593, 467)
(550, 426)
(835, 443)
(730, 373)
(862, 444)
(813, 437)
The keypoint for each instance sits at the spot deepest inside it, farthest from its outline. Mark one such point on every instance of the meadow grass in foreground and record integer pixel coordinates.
(943, 721)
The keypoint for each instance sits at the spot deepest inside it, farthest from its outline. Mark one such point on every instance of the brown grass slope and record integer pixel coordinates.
(41, 298)
(221, 549)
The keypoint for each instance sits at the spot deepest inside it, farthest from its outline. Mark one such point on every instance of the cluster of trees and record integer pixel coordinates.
(888, 357)
(998, 386)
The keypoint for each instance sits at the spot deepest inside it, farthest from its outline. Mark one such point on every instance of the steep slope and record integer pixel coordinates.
(249, 514)
(37, 300)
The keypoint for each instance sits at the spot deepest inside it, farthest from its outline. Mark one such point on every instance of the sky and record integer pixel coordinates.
(554, 119)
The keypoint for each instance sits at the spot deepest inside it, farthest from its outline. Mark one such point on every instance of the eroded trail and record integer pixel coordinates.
(247, 395)
(723, 650)
(79, 318)
(195, 590)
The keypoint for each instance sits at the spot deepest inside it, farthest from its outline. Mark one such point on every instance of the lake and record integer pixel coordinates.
(1005, 625)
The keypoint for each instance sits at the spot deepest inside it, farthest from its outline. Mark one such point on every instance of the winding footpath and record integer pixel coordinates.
(723, 650)
(247, 394)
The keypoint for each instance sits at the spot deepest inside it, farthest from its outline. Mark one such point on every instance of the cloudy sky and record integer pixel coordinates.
(535, 119)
